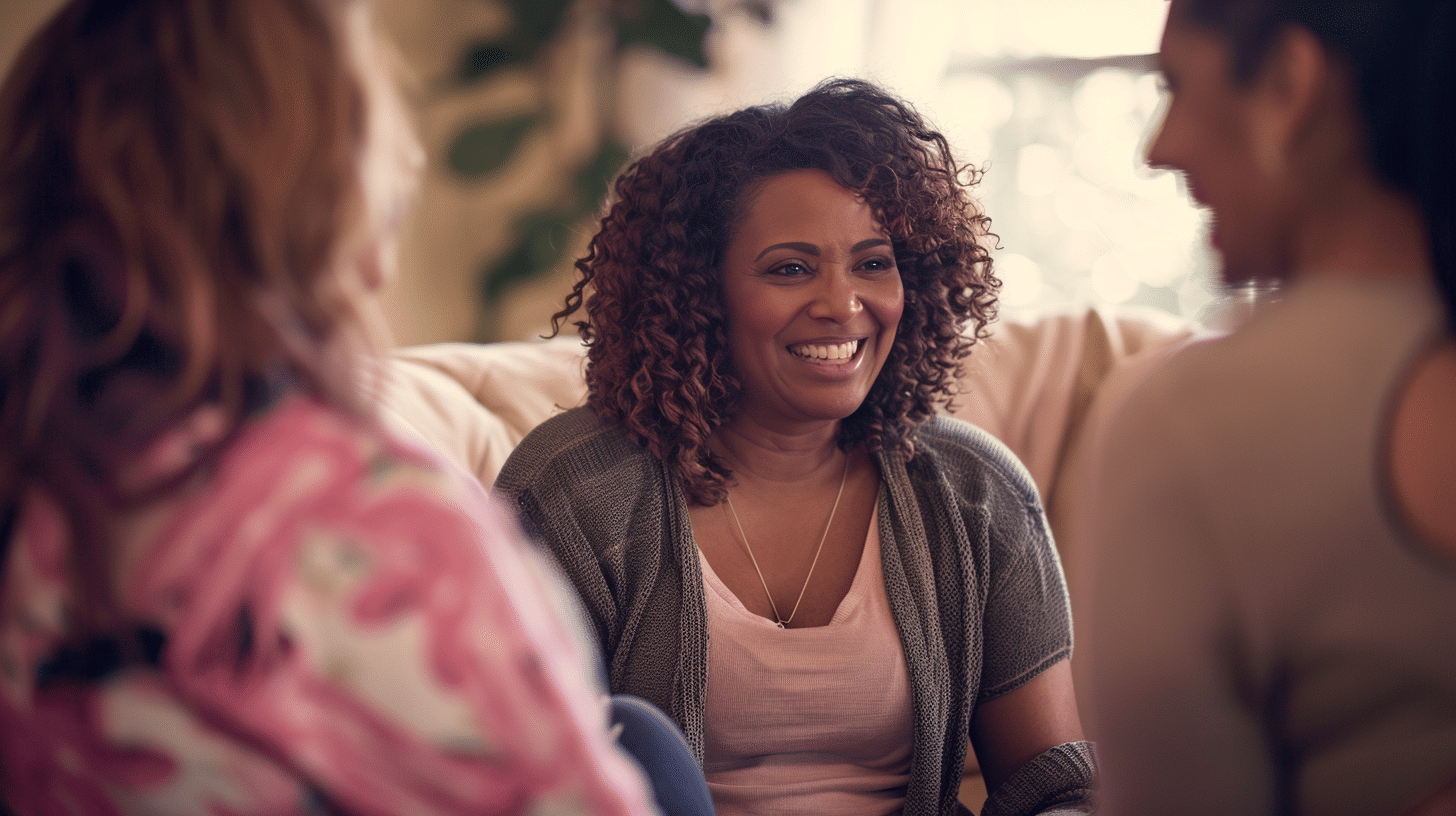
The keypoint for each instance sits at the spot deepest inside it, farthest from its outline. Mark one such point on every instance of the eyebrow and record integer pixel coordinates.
(811, 249)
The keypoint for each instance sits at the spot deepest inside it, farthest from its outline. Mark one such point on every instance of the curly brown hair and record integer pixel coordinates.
(658, 360)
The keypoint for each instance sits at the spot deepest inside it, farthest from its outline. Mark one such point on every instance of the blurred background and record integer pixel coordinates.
(528, 107)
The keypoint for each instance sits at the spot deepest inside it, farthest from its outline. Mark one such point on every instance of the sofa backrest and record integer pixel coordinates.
(1033, 383)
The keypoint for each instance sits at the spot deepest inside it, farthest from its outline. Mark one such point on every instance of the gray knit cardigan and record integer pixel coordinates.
(974, 585)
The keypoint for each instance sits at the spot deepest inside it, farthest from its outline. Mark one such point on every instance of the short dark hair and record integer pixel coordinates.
(1403, 64)
(655, 322)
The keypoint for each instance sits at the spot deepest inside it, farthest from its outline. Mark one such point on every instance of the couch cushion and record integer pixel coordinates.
(1032, 383)
(473, 403)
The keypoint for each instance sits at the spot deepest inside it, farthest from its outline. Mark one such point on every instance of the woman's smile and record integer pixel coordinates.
(814, 299)
(828, 353)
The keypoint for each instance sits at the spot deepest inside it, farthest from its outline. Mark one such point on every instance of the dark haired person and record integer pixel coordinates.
(224, 587)
(830, 589)
(1275, 615)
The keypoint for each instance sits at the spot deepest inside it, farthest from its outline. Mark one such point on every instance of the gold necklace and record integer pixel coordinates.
(779, 619)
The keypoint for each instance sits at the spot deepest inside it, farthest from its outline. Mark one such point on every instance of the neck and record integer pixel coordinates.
(1362, 229)
(783, 455)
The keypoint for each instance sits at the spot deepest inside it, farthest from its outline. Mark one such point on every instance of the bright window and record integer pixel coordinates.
(1056, 98)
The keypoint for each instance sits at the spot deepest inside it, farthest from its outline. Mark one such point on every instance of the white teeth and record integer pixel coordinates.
(839, 351)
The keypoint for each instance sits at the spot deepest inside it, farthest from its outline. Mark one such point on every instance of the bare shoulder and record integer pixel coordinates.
(1422, 449)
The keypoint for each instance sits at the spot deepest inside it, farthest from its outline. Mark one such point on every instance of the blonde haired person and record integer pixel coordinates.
(225, 588)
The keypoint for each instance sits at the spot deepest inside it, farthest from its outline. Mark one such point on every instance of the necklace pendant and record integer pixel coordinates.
(780, 622)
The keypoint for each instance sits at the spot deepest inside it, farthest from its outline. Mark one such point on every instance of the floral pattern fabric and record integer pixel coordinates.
(326, 621)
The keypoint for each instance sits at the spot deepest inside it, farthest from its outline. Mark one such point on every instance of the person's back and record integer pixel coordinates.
(313, 623)
(1275, 634)
(223, 587)
(1276, 589)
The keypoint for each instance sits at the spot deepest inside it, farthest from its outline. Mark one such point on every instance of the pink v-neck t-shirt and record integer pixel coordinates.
(812, 720)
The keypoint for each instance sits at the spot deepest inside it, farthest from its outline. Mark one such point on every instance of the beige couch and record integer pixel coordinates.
(1044, 385)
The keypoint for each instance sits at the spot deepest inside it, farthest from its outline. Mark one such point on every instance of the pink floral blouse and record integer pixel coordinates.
(326, 621)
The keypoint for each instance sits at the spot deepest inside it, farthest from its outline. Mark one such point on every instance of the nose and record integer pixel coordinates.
(837, 296)
(1157, 153)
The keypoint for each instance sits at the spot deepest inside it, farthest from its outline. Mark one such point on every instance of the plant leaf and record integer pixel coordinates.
(543, 238)
(537, 20)
(661, 24)
(482, 148)
(484, 57)
(595, 179)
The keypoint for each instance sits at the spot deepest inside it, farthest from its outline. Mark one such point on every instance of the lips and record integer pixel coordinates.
(827, 352)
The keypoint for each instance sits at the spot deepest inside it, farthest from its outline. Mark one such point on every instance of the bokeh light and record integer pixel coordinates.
(1058, 102)
(1054, 100)
(1021, 284)
(1085, 29)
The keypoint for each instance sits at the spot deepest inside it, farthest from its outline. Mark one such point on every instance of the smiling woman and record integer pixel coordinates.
(832, 592)
(813, 299)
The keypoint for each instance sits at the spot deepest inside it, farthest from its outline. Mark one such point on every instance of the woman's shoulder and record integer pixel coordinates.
(310, 465)
(570, 427)
(300, 490)
(582, 487)
(1306, 380)
(301, 432)
(966, 455)
(575, 445)
(1328, 338)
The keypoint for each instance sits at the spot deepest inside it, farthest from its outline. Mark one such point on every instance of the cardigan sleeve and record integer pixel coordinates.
(1026, 619)
(544, 482)
(1027, 622)
(600, 504)
(1059, 782)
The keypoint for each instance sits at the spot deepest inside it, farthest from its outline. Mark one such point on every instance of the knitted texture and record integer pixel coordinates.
(974, 583)
(1057, 782)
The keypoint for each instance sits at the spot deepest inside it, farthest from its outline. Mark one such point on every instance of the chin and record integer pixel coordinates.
(1240, 271)
(836, 410)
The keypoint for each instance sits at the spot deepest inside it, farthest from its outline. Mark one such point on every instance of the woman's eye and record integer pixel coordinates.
(877, 264)
(791, 270)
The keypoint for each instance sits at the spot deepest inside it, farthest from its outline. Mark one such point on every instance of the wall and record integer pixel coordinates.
(523, 211)
(1037, 94)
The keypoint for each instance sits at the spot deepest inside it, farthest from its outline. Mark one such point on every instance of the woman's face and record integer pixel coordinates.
(1210, 132)
(813, 298)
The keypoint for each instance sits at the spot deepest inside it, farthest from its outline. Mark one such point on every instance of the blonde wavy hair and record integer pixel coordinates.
(179, 182)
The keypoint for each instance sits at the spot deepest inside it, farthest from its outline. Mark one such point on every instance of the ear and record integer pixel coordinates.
(1290, 93)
